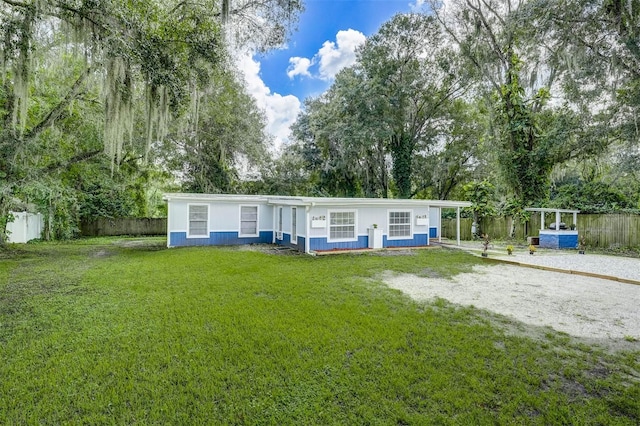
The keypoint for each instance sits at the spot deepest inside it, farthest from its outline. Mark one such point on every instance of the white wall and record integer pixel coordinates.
(367, 216)
(224, 216)
(435, 215)
(25, 227)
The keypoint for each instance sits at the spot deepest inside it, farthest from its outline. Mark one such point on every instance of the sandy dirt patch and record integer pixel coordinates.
(581, 306)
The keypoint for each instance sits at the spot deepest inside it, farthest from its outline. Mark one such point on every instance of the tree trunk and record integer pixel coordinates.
(401, 152)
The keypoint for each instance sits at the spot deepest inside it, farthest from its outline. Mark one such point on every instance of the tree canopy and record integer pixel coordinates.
(105, 104)
(113, 79)
(509, 91)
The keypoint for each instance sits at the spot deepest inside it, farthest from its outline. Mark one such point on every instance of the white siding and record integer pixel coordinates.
(422, 211)
(367, 216)
(434, 218)
(223, 216)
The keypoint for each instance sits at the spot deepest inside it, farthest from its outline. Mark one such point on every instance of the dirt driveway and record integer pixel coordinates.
(585, 307)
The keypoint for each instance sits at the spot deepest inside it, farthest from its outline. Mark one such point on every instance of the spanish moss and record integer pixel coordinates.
(157, 116)
(119, 121)
(21, 68)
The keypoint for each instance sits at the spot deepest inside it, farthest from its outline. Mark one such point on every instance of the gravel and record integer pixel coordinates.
(622, 267)
(590, 308)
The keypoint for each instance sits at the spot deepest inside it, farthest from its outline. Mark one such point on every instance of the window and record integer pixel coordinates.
(400, 224)
(248, 221)
(198, 220)
(342, 226)
(294, 225)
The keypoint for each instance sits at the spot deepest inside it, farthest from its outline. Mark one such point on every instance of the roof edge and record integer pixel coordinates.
(294, 200)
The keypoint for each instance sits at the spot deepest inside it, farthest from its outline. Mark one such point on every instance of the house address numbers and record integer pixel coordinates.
(318, 221)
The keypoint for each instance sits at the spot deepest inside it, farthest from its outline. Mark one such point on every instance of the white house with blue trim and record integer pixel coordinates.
(308, 224)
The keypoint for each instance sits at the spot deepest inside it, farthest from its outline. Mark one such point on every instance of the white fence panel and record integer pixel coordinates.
(25, 227)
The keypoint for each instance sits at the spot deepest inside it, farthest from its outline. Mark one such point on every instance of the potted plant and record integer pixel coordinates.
(485, 244)
(509, 249)
(532, 249)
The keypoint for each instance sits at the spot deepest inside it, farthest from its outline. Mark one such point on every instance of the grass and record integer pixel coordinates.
(105, 331)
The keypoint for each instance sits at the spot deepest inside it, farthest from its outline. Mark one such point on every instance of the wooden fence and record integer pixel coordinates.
(103, 227)
(599, 230)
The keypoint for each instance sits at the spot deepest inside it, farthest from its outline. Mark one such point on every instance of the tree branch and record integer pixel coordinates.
(18, 4)
(56, 112)
(494, 42)
(83, 156)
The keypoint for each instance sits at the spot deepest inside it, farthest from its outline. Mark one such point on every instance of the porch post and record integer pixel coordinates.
(575, 220)
(429, 224)
(273, 225)
(307, 221)
(557, 220)
(541, 220)
(458, 224)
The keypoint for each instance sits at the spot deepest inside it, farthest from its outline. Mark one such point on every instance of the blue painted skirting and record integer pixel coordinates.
(433, 232)
(319, 244)
(286, 241)
(417, 240)
(322, 244)
(559, 239)
(179, 239)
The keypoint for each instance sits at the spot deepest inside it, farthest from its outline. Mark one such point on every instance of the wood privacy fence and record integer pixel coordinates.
(103, 227)
(599, 230)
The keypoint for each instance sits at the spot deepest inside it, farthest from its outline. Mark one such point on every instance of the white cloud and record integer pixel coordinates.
(331, 57)
(281, 111)
(341, 54)
(298, 66)
(419, 6)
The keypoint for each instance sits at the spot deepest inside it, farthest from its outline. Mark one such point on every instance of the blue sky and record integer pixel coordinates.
(328, 33)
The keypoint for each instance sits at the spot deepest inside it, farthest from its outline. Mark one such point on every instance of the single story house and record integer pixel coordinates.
(308, 224)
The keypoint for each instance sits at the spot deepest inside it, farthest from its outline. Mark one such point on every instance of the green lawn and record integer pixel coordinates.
(105, 331)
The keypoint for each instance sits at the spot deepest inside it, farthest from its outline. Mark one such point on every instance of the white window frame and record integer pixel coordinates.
(389, 224)
(189, 234)
(355, 226)
(240, 234)
(294, 225)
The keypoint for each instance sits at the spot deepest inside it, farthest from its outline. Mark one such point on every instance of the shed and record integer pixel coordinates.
(555, 237)
(307, 224)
